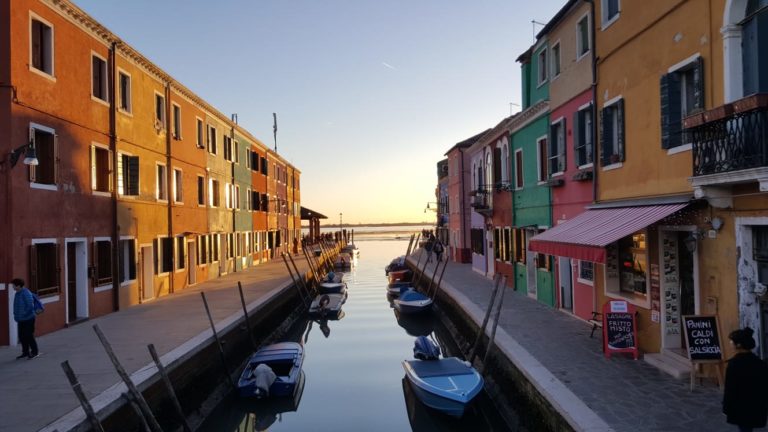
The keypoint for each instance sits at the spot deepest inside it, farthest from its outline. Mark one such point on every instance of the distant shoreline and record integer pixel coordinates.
(398, 224)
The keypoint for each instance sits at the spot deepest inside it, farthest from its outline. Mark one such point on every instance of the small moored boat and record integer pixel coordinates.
(447, 385)
(333, 288)
(412, 301)
(327, 305)
(273, 370)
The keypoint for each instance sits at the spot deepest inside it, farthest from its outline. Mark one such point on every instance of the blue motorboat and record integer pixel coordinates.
(273, 370)
(412, 301)
(447, 385)
(327, 305)
(398, 288)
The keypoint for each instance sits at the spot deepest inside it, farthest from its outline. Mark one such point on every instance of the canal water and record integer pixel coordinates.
(353, 377)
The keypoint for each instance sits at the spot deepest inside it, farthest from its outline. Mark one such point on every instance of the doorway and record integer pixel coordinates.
(76, 269)
(147, 273)
(566, 283)
(679, 287)
(192, 263)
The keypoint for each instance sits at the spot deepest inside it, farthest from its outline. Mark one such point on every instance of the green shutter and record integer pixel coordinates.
(698, 85)
(671, 115)
(620, 145)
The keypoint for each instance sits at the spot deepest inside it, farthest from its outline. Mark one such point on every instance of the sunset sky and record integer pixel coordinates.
(369, 95)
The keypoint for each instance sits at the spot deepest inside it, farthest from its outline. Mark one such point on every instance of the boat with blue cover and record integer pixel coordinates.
(327, 305)
(412, 301)
(447, 385)
(273, 370)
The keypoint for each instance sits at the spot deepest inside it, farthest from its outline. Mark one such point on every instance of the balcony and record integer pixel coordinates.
(481, 201)
(729, 146)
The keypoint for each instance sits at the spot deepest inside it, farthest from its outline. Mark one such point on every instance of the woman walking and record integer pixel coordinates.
(745, 401)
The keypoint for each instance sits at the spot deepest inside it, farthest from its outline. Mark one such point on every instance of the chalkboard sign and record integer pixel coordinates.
(619, 328)
(703, 337)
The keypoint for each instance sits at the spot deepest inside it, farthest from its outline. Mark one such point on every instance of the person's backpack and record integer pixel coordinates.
(37, 305)
(438, 248)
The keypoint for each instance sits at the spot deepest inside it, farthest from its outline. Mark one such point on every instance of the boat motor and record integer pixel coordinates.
(425, 349)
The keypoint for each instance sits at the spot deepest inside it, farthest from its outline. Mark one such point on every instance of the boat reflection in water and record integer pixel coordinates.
(415, 324)
(323, 324)
(254, 415)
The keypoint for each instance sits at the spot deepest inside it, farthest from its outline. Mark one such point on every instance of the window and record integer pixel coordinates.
(127, 175)
(682, 94)
(99, 78)
(203, 252)
(214, 198)
(582, 37)
(754, 33)
(508, 244)
(178, 186)
(519, 169)
(176, 122)
(248, 158)
(125, 103)
(612, 137)
(44, 268)
(181, 253)
(102, 262)
(215, 243)
(557, 161)
(556, 60)
(236, 197)
(626, 266)
(101, 169)
(519, 235)
(200, 190)
(542, 65)
(227, 148)
(583, 143)
(248, 195)
(41, 39)
(163, 254)
(161, 187)
(254, 161)
(200, 134)
(45, 143)
(477, 240)
(541, 154)
(236, 152)
(255, 201)
(264, 202)
(228, 195)
(264, 166)
(127, 260)
(212, 148)
(610, 10)
(159, 111)
(586, 272)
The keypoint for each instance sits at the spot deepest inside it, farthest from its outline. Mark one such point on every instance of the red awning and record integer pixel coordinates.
(585, 236)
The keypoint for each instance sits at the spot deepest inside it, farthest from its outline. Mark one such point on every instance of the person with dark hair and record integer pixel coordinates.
(745, 400)
(24, 315)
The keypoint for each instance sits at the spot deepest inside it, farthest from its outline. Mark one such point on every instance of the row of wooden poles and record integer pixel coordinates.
(318, 267)
(500, 282)
(133, 396)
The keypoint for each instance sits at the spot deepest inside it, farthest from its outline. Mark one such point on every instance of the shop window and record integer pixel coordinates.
(497, 243)
(127, 260)
(44, 269)
(102, 262)
(626, 267)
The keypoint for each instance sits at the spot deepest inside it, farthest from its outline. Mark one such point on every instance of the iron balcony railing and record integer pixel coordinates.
(731, 137)
(480, 199)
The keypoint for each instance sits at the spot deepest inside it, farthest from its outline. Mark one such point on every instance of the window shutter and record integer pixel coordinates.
(156, 250)
(110, 175)
(698, 85)
(664, 89)
(561, 146)
(95, 265)
(620, 145)
(55, 159)
(496, 165)
(133, 175)
(57, 257)
(606, 132)
(93, 168)
(671, 114)
(33, 282)
(32, 168)
(578, 140)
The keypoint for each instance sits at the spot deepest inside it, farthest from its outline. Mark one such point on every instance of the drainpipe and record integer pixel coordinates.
(461, 205)
(113, 176)
(595, 140)
(234, 189)
(168, 180)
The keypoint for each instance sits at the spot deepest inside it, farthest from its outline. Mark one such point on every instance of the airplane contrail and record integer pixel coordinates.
(388, 65)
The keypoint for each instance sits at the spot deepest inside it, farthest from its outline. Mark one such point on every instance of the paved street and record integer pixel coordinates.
(627, 395)
(554, 348)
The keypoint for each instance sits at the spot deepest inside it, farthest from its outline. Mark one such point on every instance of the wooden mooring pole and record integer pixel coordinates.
(169, 388)
(218, 341)
(135, 393)
(245, 314)
(481, 331)
(302, 277)
(495, 320)
(78, 389)
(137, 411)
(410, 242)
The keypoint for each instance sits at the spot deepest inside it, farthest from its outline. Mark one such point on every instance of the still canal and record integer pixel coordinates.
(353, 375)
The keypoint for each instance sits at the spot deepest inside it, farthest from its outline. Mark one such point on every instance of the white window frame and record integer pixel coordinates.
(521, 174)
(615, 137)
(212, 132)
(162, 121)
(177, 135)
(604, 19)
(551, 141)
(159, 184)
(160, 256)
(52, 131)
(105, 84)
(178, 187)
(555, 60)
(587, 106)
(211, 194)
(176, 258)
(542, 71)
(228, 196)
(57, 297)
(236, 196)
(134, 258)
(199, 132)
(578, 274)
(45, 74)
(579, 47)
(106, 286)
(248, 205)
(129, 97)
(119, 177)
(94, 168)
(198, 192)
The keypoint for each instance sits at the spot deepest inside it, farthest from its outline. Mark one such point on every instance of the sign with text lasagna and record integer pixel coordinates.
(702, 337)
(619, 328)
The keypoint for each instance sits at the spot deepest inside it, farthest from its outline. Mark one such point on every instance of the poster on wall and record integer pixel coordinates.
(611, 261)
(671, 286)
(655, 293)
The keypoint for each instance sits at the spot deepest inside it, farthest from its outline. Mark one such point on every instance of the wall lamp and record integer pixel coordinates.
(692, 241)
(30, 155)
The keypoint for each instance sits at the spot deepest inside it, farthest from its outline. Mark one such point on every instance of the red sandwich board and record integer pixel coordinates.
(619, 328)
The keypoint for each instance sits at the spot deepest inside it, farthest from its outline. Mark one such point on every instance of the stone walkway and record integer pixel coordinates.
(625, 394)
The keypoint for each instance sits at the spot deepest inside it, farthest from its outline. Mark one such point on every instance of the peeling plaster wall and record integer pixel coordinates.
(749, 305)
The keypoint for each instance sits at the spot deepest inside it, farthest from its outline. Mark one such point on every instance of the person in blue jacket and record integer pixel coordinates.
(24, 315)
